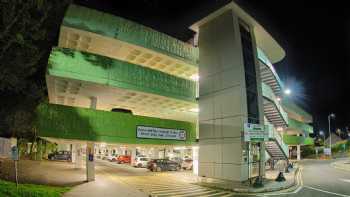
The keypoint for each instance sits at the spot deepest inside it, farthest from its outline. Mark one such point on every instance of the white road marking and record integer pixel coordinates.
(328, 192)
(345, 180)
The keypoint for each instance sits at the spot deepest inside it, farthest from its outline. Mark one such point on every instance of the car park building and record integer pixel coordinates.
(183, 98)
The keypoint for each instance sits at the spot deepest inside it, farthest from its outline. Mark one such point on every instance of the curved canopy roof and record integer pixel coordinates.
(263, 39)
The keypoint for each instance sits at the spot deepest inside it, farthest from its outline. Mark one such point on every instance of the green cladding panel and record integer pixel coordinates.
(58, 121)
(295, 124)
(73, 64)
(297, 140)
(119, 28)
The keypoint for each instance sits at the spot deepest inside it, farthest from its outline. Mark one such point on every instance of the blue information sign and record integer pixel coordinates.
(14, 153)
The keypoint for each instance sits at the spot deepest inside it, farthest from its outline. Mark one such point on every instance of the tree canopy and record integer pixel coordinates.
(28, 30)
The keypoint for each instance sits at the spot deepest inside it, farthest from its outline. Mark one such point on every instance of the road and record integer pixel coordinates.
(318, 178)
(157, 184)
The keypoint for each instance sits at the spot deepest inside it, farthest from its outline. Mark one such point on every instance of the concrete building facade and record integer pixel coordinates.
(177, 96)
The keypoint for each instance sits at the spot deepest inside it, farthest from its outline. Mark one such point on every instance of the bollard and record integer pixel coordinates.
(280, 177)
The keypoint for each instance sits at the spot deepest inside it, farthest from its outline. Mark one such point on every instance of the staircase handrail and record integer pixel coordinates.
(268, 93)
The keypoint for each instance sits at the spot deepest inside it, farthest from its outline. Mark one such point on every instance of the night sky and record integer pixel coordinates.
(314, 34)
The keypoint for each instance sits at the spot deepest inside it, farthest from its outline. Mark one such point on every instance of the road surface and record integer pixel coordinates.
(318, 178)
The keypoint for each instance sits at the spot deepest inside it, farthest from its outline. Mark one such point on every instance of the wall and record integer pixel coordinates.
(223, 101)
(65, 122)
(74, 64)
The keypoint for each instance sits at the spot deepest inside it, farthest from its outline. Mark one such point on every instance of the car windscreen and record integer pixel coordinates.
(144, 159)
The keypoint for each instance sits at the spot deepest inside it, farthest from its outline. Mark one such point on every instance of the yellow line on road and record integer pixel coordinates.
(198, 193)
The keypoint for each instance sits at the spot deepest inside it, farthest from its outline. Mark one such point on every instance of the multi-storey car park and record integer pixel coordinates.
(170, 98)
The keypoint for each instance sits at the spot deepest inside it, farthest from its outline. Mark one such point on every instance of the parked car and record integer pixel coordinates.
(158, 165)
(187, 164)
(110, 157)
(60, 155)
(141, 162)
(124, 159)
(176, 159)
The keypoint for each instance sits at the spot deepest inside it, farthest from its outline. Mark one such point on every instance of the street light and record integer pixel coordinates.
(332, 115)
(287, 91)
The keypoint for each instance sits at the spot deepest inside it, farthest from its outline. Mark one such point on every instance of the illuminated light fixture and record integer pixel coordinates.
(196, 110)
(287, 91)
(278, 99)
(180, 148)
(195, 77)
(279, 129)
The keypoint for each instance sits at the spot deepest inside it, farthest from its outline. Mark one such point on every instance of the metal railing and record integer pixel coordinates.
(274, 134)
(263, 58)
(268, 93)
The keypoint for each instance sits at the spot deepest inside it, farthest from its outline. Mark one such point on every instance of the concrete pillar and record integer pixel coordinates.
(133, 155)
(226, 100)
(262, 159)
(164, 155)
(77, 156)
(93, 102)
(90, 150)
(298, 153)
(90, 161)
(73, 153)
(195, 160)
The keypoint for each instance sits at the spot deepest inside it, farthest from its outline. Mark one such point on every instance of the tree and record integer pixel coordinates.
(28, 30)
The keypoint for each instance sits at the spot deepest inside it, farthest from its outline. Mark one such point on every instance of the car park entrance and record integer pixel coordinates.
(152, 158)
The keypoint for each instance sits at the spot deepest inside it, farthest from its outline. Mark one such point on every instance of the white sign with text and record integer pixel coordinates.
(160, 133)
(255, 132)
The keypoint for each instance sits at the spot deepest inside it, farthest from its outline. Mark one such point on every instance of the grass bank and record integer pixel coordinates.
(9, 189)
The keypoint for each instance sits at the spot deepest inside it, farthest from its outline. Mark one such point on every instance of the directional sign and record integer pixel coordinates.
(255, 132)
(14, 153)
(160, 133)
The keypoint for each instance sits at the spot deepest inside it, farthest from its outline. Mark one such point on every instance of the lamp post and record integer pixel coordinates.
(332, 115)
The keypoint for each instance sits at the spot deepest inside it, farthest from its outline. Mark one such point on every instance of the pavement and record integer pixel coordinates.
(52, 173)
(270, 185)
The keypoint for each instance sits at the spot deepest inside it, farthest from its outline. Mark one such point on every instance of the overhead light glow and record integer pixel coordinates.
(279, 129)
(287, 91)
(180, 148)
(278, 99)
(196, 110)
(195, 77)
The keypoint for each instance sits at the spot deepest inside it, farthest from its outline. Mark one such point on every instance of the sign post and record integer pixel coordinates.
(14, 156)
(256, 133)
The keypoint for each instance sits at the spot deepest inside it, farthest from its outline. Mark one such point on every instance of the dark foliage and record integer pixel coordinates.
(28, 30)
